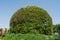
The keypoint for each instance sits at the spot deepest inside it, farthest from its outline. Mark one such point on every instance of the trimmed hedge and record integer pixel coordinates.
(31, 19)
(28, 37)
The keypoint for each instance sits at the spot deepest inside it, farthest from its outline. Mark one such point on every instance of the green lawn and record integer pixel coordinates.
(27, 37)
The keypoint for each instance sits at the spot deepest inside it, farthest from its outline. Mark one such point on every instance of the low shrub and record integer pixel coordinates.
(27, 37)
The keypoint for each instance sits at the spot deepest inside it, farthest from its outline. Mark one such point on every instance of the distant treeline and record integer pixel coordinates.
(3, 31)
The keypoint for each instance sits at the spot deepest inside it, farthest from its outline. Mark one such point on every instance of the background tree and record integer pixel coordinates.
(5, 31)
(1, 31)
(31, 19)
(57, 28)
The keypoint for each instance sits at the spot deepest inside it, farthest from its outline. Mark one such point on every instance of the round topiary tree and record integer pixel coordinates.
(31, 19)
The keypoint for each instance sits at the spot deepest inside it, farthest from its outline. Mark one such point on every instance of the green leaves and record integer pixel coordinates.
(28, 37)
(31, 19)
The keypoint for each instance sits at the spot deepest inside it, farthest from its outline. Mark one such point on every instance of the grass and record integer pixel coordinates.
(27, 37)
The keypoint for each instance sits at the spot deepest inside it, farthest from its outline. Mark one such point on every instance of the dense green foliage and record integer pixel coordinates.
(31, 19)
(57, 28)
(27, 37)
(56, 31)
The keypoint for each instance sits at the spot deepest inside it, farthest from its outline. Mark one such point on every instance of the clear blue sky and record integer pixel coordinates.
(8, 7)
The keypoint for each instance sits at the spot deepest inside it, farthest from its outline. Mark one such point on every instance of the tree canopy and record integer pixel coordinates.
(57, 28)
(31, 19)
